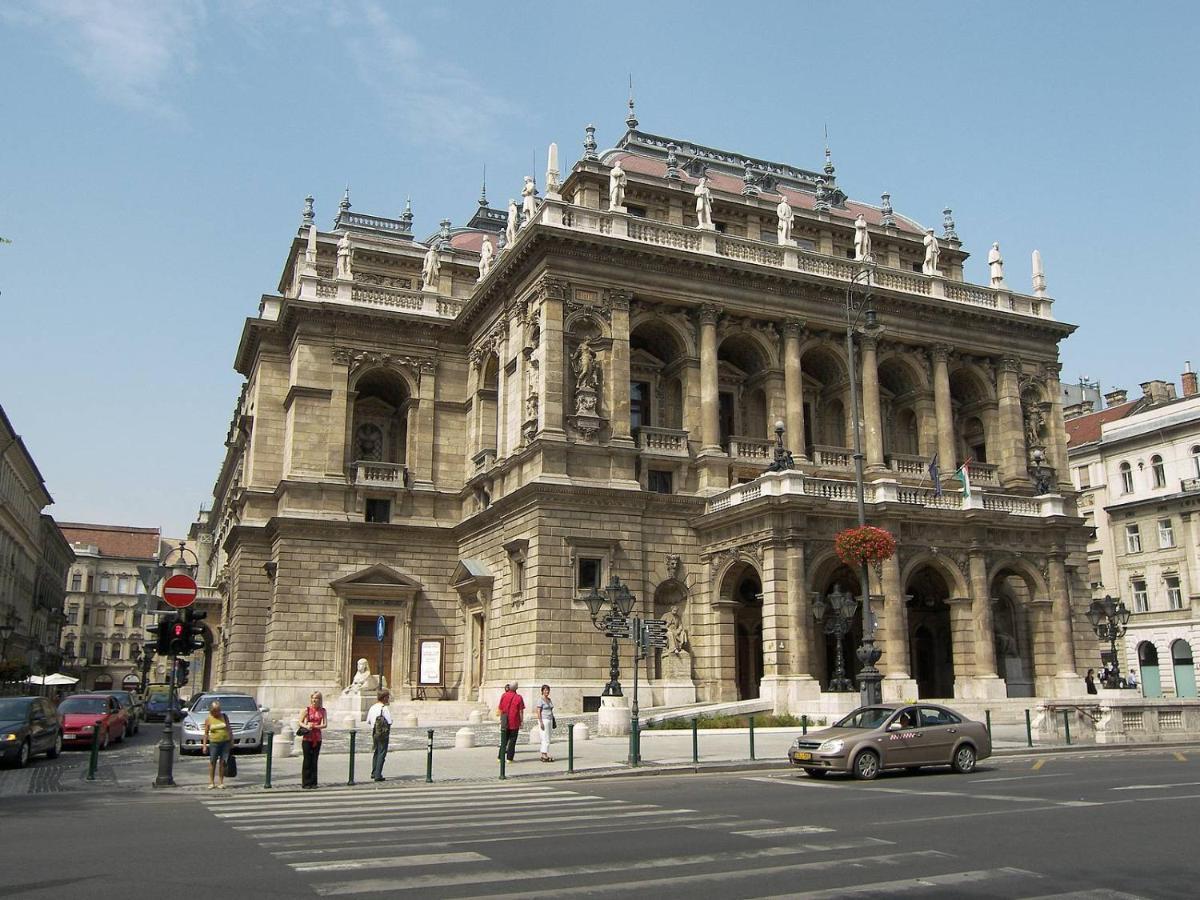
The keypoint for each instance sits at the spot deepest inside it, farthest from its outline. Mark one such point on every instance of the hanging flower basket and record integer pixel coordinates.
(864, 544)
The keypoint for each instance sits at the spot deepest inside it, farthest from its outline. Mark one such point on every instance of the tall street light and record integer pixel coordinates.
(1109, 619)
(620, 599)
(869, 678)
(838, 616)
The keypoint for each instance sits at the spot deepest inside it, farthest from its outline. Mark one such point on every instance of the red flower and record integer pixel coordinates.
(865, 543)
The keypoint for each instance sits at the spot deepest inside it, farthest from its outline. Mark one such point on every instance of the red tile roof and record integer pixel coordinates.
(1086, 429)
(115, 540)
(471, 241)
(719, 181)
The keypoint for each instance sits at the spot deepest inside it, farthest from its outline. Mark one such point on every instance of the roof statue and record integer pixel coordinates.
(430, 269)
(343, 258)
(704, 205)
(528, 199)
(487, 253)
(862, 239)
(616, 186)
(786, 215)
(932, 254)
(996, 266)
(514, 222)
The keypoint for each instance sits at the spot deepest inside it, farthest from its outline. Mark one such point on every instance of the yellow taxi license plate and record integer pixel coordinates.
(801, 756)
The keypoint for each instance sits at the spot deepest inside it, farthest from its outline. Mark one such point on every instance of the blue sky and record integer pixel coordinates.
(154, 157)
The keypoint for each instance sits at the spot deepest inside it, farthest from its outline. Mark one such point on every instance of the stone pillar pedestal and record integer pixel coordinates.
(790, 693)
(980, 687)
(899, 689)
(613, 720)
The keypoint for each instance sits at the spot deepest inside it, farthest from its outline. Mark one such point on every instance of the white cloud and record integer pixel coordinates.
(129, 50)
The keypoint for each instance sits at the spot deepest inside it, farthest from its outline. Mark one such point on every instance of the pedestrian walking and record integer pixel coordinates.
(312, 721)
(512, 707)
(1090, 681)
(217, 742)
(546, 722)
(379, 719)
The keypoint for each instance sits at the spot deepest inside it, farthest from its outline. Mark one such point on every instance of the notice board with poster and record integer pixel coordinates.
(431, 662)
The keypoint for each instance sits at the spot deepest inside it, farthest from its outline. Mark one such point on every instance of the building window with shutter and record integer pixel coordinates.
(1141, 600)
(1133, 539)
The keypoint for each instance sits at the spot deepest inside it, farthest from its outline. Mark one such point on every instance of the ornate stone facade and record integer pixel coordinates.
(469, 459)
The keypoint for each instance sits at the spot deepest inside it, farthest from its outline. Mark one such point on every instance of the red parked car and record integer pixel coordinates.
(82, 713)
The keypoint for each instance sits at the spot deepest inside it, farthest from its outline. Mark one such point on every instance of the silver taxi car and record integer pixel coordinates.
(893, 736)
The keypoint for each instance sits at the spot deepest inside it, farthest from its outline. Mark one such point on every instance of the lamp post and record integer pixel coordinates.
(838, 615)
(783, 457)
(1040, 481)
(620, 599)
(1109, 619)
(869, 678)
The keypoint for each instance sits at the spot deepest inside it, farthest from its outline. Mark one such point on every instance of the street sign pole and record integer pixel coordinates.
(380, 634)
(166, 746)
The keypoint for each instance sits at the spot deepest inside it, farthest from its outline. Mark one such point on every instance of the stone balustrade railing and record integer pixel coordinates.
(984, 473)
(832, 457)
(663, 441)
(837, 490)
(381, 296)
(559, 214)
(908, 464)
(380, 474)
(747, 449)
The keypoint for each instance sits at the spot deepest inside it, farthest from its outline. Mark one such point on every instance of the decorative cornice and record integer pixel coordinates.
(709, 314)
(356, 359)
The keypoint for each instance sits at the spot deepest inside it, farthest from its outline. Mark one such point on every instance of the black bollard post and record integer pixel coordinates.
(94, 757)
(429, 758)
(571, 749)
(353, 736)
(804, 724)
(1028, 730)
(752, 737)
(987, 714)
(269, 737)
(502, 760)
(695, 739)
(1067, 725)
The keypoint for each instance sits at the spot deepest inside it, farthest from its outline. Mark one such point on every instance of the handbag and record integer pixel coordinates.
(301, 731)
(231, 766)
(553, 722)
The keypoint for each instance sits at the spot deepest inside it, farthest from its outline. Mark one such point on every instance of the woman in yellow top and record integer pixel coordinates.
(217, 743)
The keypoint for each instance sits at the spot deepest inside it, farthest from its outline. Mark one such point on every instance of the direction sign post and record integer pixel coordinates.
(380, 634)
(179, 591)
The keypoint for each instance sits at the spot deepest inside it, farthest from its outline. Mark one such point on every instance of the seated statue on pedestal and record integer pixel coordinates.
(363, 680)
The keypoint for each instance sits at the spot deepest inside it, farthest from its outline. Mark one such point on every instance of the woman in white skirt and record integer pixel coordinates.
(545, 714)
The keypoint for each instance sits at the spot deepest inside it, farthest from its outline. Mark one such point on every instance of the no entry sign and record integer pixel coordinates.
(179, 591)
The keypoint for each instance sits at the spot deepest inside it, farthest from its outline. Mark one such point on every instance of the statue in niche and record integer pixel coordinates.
(528, 199)
(586, 367)
(1035, 426)
(786, 216)
(343, 257)
(704, 205)
(531, 403)
(514, 222)
(677, 636)
(430, 269)
(368, 443)
(932, 254)
(616, 187)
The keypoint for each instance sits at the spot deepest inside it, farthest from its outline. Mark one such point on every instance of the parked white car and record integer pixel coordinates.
(246, 720)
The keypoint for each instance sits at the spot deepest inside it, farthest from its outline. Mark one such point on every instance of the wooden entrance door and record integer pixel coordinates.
(364, 646)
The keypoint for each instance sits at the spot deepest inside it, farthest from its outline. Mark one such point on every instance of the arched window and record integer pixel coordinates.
(1196, 460)
(97, 653)
(69, 648)
(116, 651)
(1126, 478)
(1160, 472)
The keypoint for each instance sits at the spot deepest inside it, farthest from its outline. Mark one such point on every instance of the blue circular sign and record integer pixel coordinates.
(380, 628)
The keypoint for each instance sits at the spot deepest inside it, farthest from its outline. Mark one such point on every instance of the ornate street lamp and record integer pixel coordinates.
(1109, 619)
(838, 616)
(621, 600)
(783, 457)
(1039, 472)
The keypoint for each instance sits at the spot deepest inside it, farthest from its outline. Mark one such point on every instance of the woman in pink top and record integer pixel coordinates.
(312, 721)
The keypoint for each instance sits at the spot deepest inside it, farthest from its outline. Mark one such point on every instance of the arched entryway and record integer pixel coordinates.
(844, 579)
(742, 587)
(930, 634)
(1184, 668)
(1148, 664)
(1013, 588)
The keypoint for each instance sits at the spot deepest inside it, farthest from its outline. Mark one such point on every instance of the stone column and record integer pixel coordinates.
(421, 467)
(942, 409)
(981, 605)
(339, 411)
(552, 386)
(618, 378)
(710, 422)
(895, 631)
(872, 419)
(793, 387)
(1011, 433)
(1056, 448)
(799, 619)
(1064, 638)
(775, 610)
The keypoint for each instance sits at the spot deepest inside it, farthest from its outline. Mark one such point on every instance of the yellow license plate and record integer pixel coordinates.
(801, 756)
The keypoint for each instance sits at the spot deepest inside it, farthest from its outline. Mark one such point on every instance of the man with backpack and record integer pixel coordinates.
(379, 719)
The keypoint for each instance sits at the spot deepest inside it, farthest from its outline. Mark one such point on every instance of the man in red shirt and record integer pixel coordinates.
(512, 706)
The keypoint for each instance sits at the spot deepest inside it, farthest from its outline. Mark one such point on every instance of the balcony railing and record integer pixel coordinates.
(1188, 485)
(983, 473)
(663, 441)
(754, 450)
(380, 474)
(832, 457)
(379, 296)
(484, 459)
(907, 464)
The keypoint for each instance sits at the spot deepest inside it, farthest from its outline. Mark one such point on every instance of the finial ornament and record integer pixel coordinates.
(406, 217)
(444, 234)
(889, 219)
(344, 206)
(589, 142)
(483, 187)
(1039, 276)
(672, 161)
(552, 173)
(631, 119)
(948, 232)
(309, 213)
(829, 170)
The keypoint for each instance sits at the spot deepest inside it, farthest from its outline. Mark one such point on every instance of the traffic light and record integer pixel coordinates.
(162, 637)
(194, 620)
(182, 670)
(177, 640)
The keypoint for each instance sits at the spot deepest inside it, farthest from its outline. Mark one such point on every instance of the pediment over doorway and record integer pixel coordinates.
(472, 579)
(377, 582)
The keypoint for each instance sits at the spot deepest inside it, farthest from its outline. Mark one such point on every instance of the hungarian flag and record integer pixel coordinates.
(964, 476)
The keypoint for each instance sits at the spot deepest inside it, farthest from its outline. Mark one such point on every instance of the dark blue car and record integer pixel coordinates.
(157, 705)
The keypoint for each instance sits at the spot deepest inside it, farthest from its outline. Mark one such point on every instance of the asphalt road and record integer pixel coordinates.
(1116, 824)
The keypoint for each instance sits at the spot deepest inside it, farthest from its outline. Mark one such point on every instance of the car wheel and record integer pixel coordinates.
(104, 741)
(964, 759)
(22, 759)
(816, 773)
(866, 765)
(55, 748)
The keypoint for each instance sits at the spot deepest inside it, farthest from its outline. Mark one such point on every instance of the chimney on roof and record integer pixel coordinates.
(1116, 397)
(1190, 388)
(1158, 391)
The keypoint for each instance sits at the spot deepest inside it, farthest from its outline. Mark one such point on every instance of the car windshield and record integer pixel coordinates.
(14, 707)
(123, 697)
(93, 705)
(867, 717)
(228, 704)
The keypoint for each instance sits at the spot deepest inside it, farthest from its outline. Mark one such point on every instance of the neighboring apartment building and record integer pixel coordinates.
(465, 435)
(1137, 467)
(105, 632)
(34, 557)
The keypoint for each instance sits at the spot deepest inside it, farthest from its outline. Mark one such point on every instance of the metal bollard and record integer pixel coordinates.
(94, 757)
(429, 758)
(695, 739)
(1028, 730)
(804, 724)
(1067, 725)
(635, 748)
(987, 714)
(752, 737)
(353, 735)
(571, 748)
(270, 742)
(502, 760)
